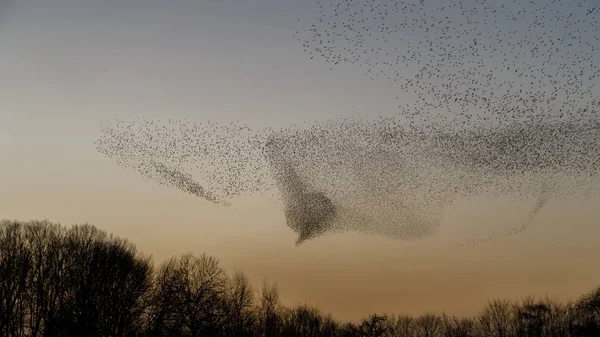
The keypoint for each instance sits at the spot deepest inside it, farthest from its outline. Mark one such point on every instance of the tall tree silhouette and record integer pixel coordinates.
(269, 311)
(496, 320)
(458, 326)
(588, 308)
(191, 297)
(428, 325)
(374, 326)
(240, 303)
(79, 282)
(15, 264)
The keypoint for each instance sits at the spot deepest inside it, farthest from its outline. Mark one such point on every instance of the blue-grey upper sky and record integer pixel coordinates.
(204, 59)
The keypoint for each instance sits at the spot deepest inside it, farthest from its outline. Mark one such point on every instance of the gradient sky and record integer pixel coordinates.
(66, 65)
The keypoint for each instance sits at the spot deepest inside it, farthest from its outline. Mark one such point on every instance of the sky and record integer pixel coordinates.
(67, 65)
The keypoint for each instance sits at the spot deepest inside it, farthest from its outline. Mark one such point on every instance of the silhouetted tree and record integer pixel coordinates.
(568, 320)
(45, 287)
(15, 265)
(530, 317)
(302, 321)
(496, 320)
(588, 310)
(329, 327)
(269, 312)
(307, 321)
(161, 314)
(80, 281)
(191, 297)
(428, 325)
(240, 300)
(457, 326)
(374, 326)
(403, 326)
(105, 281)
(348, 330)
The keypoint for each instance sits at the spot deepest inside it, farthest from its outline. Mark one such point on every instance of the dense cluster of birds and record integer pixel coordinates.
(371, 175)
(498, 98)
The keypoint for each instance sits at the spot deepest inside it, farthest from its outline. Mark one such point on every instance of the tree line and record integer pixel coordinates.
(80, 281)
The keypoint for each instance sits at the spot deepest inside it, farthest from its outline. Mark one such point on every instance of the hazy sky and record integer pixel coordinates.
(65, 65)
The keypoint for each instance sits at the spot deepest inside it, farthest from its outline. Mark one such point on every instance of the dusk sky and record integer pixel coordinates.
(67, 65)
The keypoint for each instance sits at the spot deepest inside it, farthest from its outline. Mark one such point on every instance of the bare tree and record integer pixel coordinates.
(240, 299)
(58, 282)
(160, 314)
(15, 266)
(458, 326)
(348, 330)
(561, 319)
(302, 321)
(496, 319)
(402, 326)
(428, 325)
(44, 282)
(128, 279)
(269, 311)
(588, 310)
(329, 327)
(191, 297)
(69, 283)
(569, 319)
(529, 317)
(374, 326)
(104, 282)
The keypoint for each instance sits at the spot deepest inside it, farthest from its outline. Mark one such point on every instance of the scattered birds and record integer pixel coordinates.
(495, 97)
(468, 61)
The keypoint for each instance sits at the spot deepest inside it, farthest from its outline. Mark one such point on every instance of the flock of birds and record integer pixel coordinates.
(468, 61)
(504, 103)
(371, 175)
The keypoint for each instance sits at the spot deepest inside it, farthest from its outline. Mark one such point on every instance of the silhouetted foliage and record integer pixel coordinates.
(80, 281)
(457, 326)
(240, 305)
(588, 308)
(76, 282)
(374, 325)
(270, 318)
